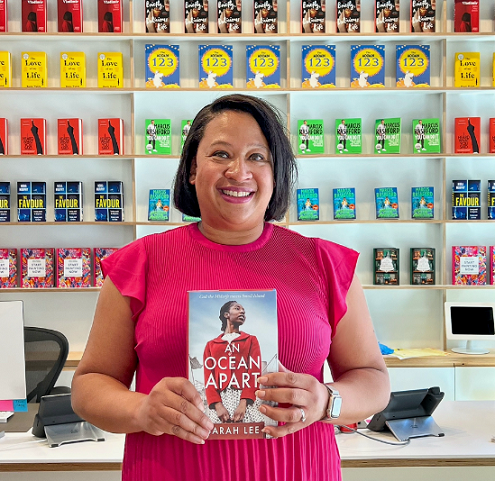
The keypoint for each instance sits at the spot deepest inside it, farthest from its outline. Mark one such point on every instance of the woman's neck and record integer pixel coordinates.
(231, 237)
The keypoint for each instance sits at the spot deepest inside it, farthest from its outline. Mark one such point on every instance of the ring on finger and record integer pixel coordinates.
(303, 415)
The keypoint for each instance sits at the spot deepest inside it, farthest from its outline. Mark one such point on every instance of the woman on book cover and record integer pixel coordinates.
(67, 25)
(237, 172)
(107, 24)
(31, 23)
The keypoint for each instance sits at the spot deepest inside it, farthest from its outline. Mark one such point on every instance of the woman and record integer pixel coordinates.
(236, 171)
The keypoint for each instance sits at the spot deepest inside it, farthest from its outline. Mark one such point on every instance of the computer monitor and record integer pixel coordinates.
(468, 322)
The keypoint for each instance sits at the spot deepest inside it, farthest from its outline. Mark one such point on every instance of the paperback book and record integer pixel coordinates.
(469, 265)
(422, 15)
(185, 127)
(70, 137)
(190, 218)
(313, 16)
(423, 202)
(5, 202)
(426, 133)
(348, 16)
(466, 199)
(467, 135)
(73, 268)
(37, 268)
(367, 66)
(387, 16)
(110, 136)
(110, 16)
(157, 16)
(386, 266)
(262, 66)
(4, 16)
(246, 334)
(8, 268)
(72, 70)
(492, 265)
(158, 136)
(5, 70)
(68, 201)
(31, 201)
(109, 201)
(4, 136)
(344, 203)
(195, 16)
(110, 70)
(318, 66)
(33, 16)
(466, 16)
(229, 16)
(34, 70)
(413, 66)
(422, 266)
(159, 205)
(491, 200)
(308, 204)
(216, 68)
(99, 254)
(387, 134)
(467, 69)
(265, 16)
(491, 136)
(162, 66)
(387, 203)
(348, 136)
(70, 16)
(33, 136)
(311, 137)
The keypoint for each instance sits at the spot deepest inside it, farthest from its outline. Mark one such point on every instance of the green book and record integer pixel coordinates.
(348, 136)
(158, 134)
(386, 266)
(426, 134)
(422, 266)
(310, 136)
(387, 136)
(185, 126)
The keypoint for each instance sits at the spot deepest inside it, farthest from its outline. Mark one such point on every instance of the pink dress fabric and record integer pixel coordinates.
(312, 278)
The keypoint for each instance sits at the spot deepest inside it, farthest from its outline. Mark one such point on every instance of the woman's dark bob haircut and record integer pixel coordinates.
(272, 126)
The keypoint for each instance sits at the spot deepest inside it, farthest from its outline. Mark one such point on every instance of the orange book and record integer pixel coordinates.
(491, 136)
(110, 136)
(33, 136)
(4, 137)
(70, 140)
(467, 135)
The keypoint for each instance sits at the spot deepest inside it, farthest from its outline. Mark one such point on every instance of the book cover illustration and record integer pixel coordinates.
(469, 265)
(467, 135)
(110, 136)
(422, 15)
(367, 66)
(265, 16)
(100, 253)
(190, 218)
(73, 268)
(467, 69)
(426, 134)
(4, 16)
(162, 66)
(491, 136)
(313, 16)
(196, 16)
(70, 137)
(185, 127)
(5, 70)
(109, 201)
(308, 204)
(413, 66)
(387, 16)
(216, 66)
(110, 16)
(68, 201)
(110, 70)
(422, 266)
(466, 16)
(310, 135)
(229, 16)
(72, 70)
(386, 266)
(159, 205)
(232, 341)
(318, 66)
(348, 136)
(387, 134)
(37, 268)
(31, 201)
(4, 201)
(4, 136)
(387, 203)
(423, 202)
(158, 136)
(157, 16)
(33, 16)
(492, 265)
(491, 200)
(34, 70)
(8, 268)
(344, 203)
(70, 16)
(262, 66)
(348, 16)
(33, 136)
(466, 199)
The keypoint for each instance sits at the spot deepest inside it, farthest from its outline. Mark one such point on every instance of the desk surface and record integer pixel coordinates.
(468, 427)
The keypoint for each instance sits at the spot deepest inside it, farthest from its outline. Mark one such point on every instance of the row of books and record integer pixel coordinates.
(42, 268)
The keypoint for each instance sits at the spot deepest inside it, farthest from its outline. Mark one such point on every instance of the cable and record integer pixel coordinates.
(402, 443)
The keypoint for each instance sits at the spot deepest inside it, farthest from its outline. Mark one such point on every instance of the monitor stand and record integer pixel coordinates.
(403, 429)
(469, 349)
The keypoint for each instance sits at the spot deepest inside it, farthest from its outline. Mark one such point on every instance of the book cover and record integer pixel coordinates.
(387, 135)
(157, 16)
(110, 17)
(344, 203)
(8, 268)
(469, 265)
(4, 136)
(4, 201)
(110, 136)
(190, 218)
(216, 68)
(422, 202)
(413, 66)
(422, 266)
(100, 253)
(158, 136)
(185, 127)
(386, 266)
(426, 133)
(466, 16)
(110, 70)
(318, 66)
(262, 66)
(387, 203)
(159, 205)
(37, 268)
(4, 16)
(467, 69)
(422, 15)
(73, 268)
(491, 136)
(33, 16)
(72, 70)
(491, 200)
(34, 70)
(387, 16)
(348, 16)
(492, 265)
(348, 136)
(467, 135)
(308, 204)
(466, 199)
(313, 16)
(195, 16)
(265, 16)
(162, 66)
(229, 16)
(109, 201)
(70, 16)
(245, 333)
(70, 137)
(311, 137)
(31, 201)
(367, 66)
(5, 70)
(68, 201)
(33, 136)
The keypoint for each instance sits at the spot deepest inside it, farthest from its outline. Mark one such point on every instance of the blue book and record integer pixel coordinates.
(308, 204)
(387, 203)
(31, 201)
(344, 203)
(491, 200)
(262, 66)
(162, 67)
(466, 199)
(367, 66)
(109, 201)
(318, 66)
(4, 201)
(422, 202)
(216, 68)
(68, 201)
(413, 66)
(159, 205)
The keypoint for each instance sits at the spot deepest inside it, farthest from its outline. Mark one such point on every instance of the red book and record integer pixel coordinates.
(492, 265)
(73, 268)
(8, 268)
(70, 16)
(4, 17)
(34, 15)
(110, 136)
(110, 16)
(70, 139)
(467, 135)
(469, 265)
(101, 253)
(4, 137)
(491, 136)
(37, 268)
(467, 16)
(33, 136)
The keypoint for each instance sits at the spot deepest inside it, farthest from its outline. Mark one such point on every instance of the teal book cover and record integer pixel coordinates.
(310, 136)
(426, 134)
(158, 136)
(387, 203)
(216, 66)
(308, 204)
(190, 218)
(413, 66)
(367, 66)
(318, 66)
(159, 205)
(348, 136)
(387, 136)
(344, 203)
(162, 66)
(262, 66)
(422, 202)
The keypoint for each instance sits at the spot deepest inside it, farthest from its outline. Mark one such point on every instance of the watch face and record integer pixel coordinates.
(336, 407)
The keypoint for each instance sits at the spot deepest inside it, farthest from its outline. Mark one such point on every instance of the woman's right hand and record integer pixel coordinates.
(174, 407)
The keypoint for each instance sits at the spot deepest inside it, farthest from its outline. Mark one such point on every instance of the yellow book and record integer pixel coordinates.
(72, 70)
(467, 69)
(5, 70)
(110, 70)
(34, 69)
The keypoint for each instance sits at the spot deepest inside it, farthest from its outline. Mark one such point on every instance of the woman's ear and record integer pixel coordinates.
(192, 175)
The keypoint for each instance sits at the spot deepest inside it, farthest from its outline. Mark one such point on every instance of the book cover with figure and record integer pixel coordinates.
(387, 16)
(467, 69)
(157, 16)
(413, 66)
(491, 135)
(422, 16)
(37, 268)
(110, 136)
(162, 66)
(466, 16)
(469, 265)
(310, 136)
(185, 127)
(196, 16)
(229, 16)
(4, 16)
(426, 135)
(33, 16)
(68, 201)
(109, 201)
(367, 66)
(263, 66)
(232, 341)
(72, 70)
(34, 73)
(100, 253)
(216, 66)
(308, 204)
(313, 16)
(73, 268)
(110, 70)
(344, 203)
(422, 266)
(110, 16)
(491, 200)
(159, 205)
(466, 199)
(70, 137)
(5, 200)
(265, 16)
(158, 134)
(31, 201)
(467, 135)
(5, 69)
(70, 16)
(348, 16)
(318, 66)
(422, 202)
(33, 136)
(4, 137)
(387, 136)
(387, 203)
(8, 268)
(348, 136)
(386, 266)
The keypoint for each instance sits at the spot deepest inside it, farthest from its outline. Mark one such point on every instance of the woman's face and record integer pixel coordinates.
(233, 173)
(236, 315)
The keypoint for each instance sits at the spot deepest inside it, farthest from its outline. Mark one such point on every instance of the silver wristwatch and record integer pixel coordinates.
(334, 403)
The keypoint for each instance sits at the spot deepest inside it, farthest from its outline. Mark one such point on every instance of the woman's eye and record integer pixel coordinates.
(221, 154)
(258, 157)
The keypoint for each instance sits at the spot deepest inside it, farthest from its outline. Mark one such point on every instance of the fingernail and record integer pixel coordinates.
(262, 409)
(262, 380)
(260, 394)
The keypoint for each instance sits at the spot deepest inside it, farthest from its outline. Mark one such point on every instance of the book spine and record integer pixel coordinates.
(4, 17)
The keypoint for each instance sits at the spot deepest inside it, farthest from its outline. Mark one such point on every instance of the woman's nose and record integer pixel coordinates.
(239, 170)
